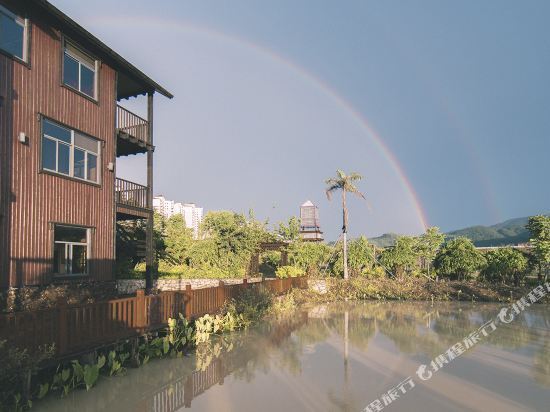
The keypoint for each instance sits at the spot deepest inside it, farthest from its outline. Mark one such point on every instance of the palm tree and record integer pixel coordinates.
(345, 183)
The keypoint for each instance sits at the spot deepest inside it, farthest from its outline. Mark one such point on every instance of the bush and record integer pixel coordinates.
(360, 258)
(16, 367)
(289, 272)
(459, 258)
(170, 271)
(375, 272)
(269, 263)
(505, 265)
(311, 257)
(251, 303)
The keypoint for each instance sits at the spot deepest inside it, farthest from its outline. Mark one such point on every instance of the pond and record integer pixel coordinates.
(342, 357)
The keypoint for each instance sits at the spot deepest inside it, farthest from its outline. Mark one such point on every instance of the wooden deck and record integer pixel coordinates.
(131, 200)
(133, 133)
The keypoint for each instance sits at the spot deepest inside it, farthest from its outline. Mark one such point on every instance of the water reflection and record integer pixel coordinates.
(339, 358)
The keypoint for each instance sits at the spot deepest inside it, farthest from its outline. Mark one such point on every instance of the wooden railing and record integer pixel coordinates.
(131, 194)
(131, 124)
(79, 328)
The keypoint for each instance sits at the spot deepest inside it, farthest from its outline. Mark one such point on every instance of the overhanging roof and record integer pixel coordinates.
(132, 81)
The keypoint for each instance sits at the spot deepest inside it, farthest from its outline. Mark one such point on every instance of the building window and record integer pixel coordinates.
(69, 152)
(71, 250)
(79, 70)
(13, 34)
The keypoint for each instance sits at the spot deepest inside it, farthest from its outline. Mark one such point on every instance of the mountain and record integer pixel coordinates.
(387, 239)
(509, 232)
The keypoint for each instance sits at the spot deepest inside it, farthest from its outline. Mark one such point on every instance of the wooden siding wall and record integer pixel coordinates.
(29, 200)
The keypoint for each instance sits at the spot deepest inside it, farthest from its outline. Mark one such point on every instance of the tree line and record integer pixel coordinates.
(228, 240)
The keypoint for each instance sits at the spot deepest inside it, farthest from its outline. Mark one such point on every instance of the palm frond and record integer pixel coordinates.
(355, 191)
(355, 176)
(332, 188)
(343, 182)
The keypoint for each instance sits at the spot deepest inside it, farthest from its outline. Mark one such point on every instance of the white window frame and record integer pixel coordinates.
(69, 250)
(72, 148)
(80, 61)
(23, 23)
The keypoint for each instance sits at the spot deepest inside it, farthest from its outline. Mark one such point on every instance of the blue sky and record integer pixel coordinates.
(272, 97)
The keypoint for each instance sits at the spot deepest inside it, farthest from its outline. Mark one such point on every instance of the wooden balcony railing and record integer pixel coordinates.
(132, 125)
(131, 194)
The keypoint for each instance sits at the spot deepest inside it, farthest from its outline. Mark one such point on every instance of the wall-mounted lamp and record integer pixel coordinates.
(111, 166)
(22, 138)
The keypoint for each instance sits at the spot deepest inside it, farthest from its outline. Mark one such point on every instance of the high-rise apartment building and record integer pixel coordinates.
(190, 212)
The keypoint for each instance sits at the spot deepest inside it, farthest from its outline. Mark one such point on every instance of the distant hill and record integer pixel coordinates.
(509, 232)
(387, 239)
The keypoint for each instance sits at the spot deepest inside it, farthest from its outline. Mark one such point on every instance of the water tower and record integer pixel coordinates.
(310, 228)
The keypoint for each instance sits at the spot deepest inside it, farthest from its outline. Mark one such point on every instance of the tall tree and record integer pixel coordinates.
(505, 265)
(291, 230)
(428, 245)
(539, 226)
(402, 257)
(459, 257)
(235, 238)
(345, 183)
(178, 239)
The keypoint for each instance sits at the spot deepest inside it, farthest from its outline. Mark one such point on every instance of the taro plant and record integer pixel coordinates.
(180, 334)
(115, 362)
(204, 326)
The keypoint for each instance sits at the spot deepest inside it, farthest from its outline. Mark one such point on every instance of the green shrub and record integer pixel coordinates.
(16, 366)
(251, 303)
(284, 305)
(505, 265)
(311, 257)
(289, 272)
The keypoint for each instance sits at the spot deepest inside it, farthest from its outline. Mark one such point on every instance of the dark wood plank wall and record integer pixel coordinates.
(29, 200)
(6, 76)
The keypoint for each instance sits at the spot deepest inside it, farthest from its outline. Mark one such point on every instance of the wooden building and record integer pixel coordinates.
(310, 228)
(61, 131)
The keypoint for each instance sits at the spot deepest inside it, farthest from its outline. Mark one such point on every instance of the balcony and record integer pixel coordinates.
(132, 132)
(131, 200)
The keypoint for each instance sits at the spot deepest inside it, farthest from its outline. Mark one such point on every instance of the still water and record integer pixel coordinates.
(340, 358)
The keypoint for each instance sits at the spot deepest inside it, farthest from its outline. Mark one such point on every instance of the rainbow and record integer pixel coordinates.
(364, 124)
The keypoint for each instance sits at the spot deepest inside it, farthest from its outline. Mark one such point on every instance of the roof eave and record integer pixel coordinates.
(117, 61)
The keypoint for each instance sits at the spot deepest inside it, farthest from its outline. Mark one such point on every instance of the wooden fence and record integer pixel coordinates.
(78, 328)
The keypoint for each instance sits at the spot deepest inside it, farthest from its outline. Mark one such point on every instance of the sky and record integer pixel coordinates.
(443, 106)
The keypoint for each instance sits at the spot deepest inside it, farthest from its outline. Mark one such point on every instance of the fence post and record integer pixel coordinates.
(139, 308)
(63, 332)
(188, 301)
